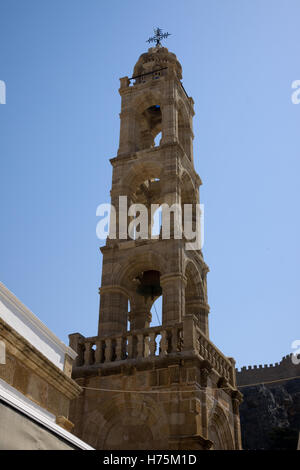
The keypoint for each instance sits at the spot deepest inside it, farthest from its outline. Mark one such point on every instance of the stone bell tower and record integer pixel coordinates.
(166, 386)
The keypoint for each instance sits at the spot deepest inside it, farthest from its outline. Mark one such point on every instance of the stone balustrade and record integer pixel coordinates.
(152, 343)
(154, 75)
(209, 352)
(139, 344)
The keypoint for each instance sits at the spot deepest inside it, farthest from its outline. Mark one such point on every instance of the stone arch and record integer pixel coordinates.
(142, 171)
(195, 295)
(148, 117)
(194, 287)
(142, 183)
(128, 277)
(133, 421)
(219, 431)
(146, 99)
(189, 192)
(148, 260)
(189, 199)
(184, 128)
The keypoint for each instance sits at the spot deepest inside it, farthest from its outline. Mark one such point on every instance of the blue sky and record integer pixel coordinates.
(61, 62)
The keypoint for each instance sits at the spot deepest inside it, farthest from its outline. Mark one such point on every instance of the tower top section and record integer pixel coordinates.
(156, 58)
(158, 36)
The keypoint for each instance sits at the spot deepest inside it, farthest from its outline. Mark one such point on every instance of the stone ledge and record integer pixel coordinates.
(37, 362)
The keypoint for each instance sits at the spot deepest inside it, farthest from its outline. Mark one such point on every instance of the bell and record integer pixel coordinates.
(150, 284)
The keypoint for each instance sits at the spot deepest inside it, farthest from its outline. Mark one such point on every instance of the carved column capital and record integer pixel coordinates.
(223, 383)
(237, 398)
(205, 372)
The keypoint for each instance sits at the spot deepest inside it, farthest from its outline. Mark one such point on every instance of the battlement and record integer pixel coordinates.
(284, 369)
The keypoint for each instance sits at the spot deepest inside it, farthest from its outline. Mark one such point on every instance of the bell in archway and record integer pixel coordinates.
(150, 284)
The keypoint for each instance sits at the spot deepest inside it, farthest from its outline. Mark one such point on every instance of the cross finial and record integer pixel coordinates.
(158, 36)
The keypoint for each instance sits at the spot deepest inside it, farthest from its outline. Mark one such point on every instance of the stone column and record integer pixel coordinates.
(113, 311)
(169, 112)
(200, 309)
(237, 399)
(127, 131)
(173, 286)
(189, 333)
(140, 318)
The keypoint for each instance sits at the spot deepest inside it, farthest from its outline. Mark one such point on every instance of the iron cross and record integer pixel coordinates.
(158, 35)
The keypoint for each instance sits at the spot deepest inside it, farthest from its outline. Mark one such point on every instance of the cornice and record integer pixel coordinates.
(37, 362)
(30, 319)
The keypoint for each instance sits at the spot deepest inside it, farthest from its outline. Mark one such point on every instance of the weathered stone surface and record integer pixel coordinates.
(165, 387)
(270, 412)
(32, 374)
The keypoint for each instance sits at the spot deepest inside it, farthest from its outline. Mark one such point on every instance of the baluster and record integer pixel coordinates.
(218, 365)
(119, 349)
(88, 353)
(201, 349)
(216, 362)
(210, 352)
(180, 340)
(152, 347)
(140, 345)
(163, 343)
(206, 354)
(146, 346)
(98, 352)
(130, 347)
(124, 348)
(214, 358)
(174, 340)
(108, 350)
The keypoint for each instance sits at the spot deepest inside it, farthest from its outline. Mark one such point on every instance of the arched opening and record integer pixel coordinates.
(157, 341)
(156, 311)
(156, 224)
(146, 223)
(153, 116)
(219, 431)
(128, 321)
(150, 126)
(157, 139)
(184, 132)
(146, 289)
(189, 200)
(139, 276)
(149, 285)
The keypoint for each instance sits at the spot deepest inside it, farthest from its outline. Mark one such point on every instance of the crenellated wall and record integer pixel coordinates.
(270, 411)
(263, 373)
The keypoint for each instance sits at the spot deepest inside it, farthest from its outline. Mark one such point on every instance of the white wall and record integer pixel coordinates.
(24, 322)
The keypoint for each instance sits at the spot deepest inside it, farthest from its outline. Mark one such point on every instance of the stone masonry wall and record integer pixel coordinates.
(257, 374)
(270, 411)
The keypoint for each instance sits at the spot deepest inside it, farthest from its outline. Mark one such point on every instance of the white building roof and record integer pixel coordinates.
(24, 322)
